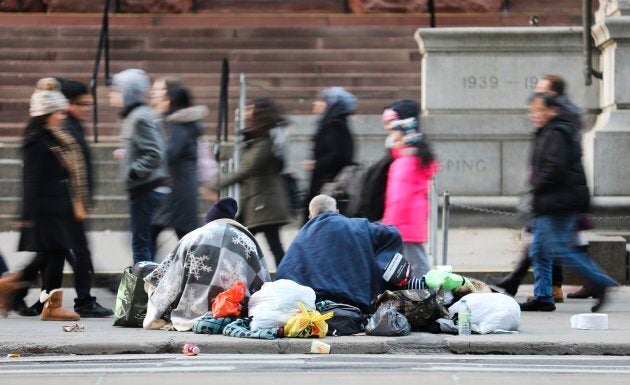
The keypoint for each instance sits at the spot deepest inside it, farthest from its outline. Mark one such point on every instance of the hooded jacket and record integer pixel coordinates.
(145, 165)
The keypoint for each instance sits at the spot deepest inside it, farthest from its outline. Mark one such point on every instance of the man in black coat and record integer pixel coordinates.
(560, 194)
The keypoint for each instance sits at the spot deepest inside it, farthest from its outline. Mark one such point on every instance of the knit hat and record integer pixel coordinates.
(47, 98)
(406, 108)
(223, 208)
(72, 89)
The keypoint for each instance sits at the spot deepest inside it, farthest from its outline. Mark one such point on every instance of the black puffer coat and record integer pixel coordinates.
(557, 174)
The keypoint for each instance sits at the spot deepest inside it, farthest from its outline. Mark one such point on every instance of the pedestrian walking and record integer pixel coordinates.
(560, 195)
(79, 105)
(408, 180)
(333, 144)
(182, 126)
(143, 166)
(54, 202)
(264, 200)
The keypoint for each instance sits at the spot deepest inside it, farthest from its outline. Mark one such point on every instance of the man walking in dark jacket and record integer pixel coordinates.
(560, 195)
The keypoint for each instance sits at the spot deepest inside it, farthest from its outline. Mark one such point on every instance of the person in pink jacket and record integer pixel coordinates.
(408, 180)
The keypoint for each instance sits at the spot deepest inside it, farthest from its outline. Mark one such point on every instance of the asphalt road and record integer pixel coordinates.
(315, 369)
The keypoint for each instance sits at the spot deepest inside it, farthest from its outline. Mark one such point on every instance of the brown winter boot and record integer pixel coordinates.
(558, 295)
(9, 283)
(52, 307)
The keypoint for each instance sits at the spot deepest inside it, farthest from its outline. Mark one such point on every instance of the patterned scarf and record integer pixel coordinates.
(69, 153)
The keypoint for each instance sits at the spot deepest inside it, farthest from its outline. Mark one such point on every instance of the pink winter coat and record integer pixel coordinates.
(406, 196)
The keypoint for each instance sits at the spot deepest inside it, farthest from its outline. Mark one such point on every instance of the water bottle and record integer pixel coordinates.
(463, 318)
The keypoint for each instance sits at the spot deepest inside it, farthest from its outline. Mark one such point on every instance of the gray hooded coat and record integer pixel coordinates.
(145, 165)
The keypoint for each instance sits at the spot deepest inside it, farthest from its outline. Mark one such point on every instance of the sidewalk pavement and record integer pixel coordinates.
(478, 250)
(540, 333)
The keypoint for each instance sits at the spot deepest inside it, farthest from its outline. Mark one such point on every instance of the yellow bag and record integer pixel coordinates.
(305, 324)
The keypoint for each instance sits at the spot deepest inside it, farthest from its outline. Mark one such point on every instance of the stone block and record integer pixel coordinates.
(514, 157)
(609, 252)
(469, 167)
(612, 173)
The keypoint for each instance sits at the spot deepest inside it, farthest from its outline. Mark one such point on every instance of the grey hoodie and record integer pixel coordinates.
(145, 166)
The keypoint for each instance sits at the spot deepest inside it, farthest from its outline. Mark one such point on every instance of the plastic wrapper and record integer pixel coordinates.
(305, 324)
(420, 307)
(387, 321)
(228, 303)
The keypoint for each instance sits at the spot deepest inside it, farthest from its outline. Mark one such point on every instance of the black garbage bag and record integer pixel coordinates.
(388, 322)
(346, 320)
(420, 307)
(131, 299)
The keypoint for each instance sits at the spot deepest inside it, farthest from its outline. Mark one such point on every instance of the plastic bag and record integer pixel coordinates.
(387, 322)
(228, 303)
(305, 323)
(273, 305)
(207, 166)
(131, 299)
(420, 307)
(491, 312)
(346, 320)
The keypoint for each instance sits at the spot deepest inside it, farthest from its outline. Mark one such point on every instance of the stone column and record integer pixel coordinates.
(609, 150)
(475, 86)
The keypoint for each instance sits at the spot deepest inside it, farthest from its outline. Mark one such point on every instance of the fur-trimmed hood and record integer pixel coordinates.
(187, 115)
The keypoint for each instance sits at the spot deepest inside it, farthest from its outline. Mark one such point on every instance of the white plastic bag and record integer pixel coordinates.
(276, 302)
(491, 312)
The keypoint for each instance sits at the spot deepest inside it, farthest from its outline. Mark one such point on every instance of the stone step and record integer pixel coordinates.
(250, 67)
(27, 80)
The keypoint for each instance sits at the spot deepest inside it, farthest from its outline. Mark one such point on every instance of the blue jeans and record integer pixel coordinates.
(553, 239)
(141, 210)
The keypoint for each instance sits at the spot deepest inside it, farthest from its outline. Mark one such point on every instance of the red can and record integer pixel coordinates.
(190, 349)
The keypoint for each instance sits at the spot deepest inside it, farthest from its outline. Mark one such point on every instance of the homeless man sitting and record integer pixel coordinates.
(205, 262)
(346, 260)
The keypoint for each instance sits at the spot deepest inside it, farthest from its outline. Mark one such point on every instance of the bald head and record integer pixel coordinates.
(322, 204)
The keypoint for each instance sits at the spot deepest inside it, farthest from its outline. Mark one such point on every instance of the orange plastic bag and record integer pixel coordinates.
(227, 303)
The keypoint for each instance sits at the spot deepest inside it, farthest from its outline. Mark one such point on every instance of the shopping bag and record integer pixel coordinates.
(228, 303)
(388, 322)
(305, 324)
(131, 300)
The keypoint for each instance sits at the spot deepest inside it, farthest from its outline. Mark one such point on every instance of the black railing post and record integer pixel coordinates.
(103, 45)
(222, 113)
(431, 6)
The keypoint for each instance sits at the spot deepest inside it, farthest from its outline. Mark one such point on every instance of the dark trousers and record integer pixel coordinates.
(3, 265)
(141, 210)
(81, 262)
(523, 265)
(272, 234)
(50, 263)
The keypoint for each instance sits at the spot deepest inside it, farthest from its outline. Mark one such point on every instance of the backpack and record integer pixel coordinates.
(346, 320)
(346, 189)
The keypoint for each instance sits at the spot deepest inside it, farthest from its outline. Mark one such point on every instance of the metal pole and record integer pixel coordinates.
(242, 105)
(97, 61)
(586, 42)
(433, 222)
(431, 6)
(445, 213)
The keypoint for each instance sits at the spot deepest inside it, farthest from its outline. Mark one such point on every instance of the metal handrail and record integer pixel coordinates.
(103, 45)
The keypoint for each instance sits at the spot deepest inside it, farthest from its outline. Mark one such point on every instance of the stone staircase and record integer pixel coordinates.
(288, 58)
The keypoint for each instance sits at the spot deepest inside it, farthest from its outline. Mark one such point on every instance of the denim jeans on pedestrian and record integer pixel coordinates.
(553, 239)
(141, 210)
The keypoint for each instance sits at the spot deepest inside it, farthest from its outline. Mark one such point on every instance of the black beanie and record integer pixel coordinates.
(223, 208)
(406, 108)
(72, 89)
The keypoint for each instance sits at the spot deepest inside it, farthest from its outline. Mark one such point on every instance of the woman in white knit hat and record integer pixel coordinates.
(55, 200)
